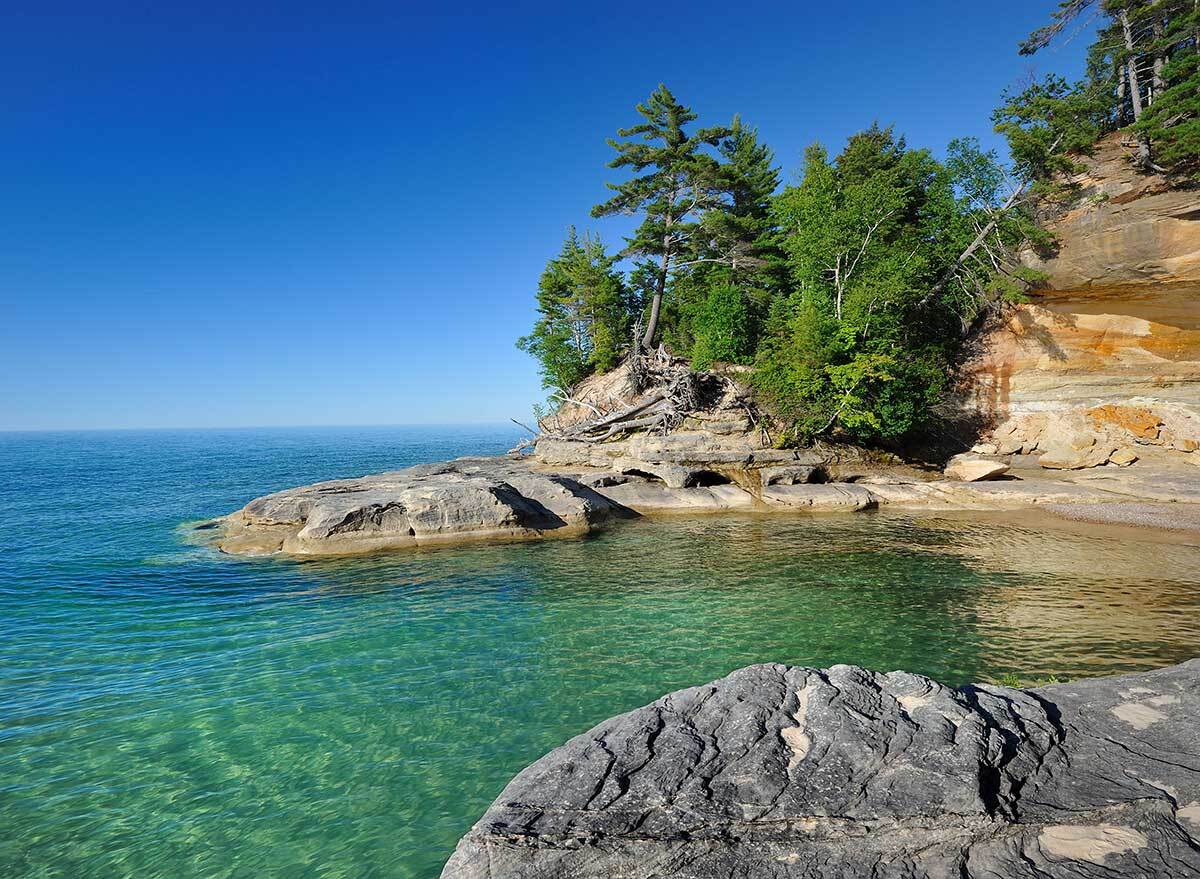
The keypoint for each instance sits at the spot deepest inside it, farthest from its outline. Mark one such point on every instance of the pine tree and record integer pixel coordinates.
(1172, 120)
(676, 182)
(1143, 73)
(739, 231)
(1048, 122)
(734, 266)
(582, 314)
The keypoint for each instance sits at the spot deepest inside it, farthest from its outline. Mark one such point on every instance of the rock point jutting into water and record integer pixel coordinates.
(1089, 397)
(587, 471)
(779, 772)
(489, 499)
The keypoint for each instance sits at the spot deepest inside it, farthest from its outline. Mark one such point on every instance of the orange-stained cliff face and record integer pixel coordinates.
(1103, 367)
(1093, 377)
(1125, 227)
(1063, 351)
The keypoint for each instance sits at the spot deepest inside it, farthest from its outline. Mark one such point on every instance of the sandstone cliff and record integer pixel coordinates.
(1124, 226)
(1104, 365)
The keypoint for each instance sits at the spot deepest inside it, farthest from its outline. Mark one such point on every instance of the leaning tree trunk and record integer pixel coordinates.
(1135, 89)
(1157, 84)
(660, 287)
(1121, 90)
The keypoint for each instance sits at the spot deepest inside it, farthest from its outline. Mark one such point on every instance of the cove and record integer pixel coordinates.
(167, 709)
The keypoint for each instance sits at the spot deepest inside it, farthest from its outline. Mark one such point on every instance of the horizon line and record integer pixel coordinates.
(501, 423)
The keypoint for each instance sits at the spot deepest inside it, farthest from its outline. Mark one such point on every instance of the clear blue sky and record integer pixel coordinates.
(229, 214)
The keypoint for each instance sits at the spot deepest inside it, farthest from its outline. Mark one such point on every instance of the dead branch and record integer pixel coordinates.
(675, 393)
(561, 395)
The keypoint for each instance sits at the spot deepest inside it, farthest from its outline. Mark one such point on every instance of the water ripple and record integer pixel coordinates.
(166, 711)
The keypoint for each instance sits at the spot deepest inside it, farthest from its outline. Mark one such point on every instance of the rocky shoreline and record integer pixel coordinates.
(778, 771)
(490, 499)
(1095, 417)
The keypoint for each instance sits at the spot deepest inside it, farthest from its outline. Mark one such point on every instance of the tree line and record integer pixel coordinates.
(849, 292)
(1142, 77)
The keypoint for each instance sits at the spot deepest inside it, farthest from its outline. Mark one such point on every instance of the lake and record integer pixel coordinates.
(166, 711)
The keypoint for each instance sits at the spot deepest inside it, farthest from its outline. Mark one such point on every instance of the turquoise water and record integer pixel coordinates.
(169, 712)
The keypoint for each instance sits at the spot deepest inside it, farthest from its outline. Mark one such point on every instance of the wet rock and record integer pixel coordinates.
(779, 772)
(829, 496)
(652, 498)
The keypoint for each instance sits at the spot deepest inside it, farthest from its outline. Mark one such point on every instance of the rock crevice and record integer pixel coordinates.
(778, 771)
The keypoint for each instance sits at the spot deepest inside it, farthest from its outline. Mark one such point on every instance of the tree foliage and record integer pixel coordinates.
(583, 314)
(1143, 76)
(849, 292)
(859, 344)
(675, 182)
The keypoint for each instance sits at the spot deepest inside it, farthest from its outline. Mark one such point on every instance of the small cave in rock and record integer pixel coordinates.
(705, 479)
(643, 474)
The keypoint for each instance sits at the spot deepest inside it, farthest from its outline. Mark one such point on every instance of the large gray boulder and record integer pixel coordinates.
(469, 499)
(778, 771)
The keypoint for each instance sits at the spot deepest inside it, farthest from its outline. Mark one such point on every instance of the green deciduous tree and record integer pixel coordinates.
(885, 270)
(723, 328)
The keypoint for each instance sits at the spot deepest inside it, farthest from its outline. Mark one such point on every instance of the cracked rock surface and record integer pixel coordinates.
(484, 499)
(778, 771)
(468, 499)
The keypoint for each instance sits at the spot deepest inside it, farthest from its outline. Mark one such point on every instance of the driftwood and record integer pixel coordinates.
(665, 391)
(675, 394)
(561, 395)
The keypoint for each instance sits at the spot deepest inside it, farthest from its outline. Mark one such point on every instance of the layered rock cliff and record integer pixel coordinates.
(1123, 226)
(1103, 366)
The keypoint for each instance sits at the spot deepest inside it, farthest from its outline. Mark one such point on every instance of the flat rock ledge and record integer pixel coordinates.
(779, 771)
(493, 499)
(460, 501)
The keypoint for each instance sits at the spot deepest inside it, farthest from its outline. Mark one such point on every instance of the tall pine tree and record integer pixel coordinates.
(1143, 75)
(675, 182)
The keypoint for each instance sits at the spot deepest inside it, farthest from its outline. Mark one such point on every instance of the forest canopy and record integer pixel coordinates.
(848, 294)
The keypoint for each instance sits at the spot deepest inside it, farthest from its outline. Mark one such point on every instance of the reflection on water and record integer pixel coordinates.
(166, 711)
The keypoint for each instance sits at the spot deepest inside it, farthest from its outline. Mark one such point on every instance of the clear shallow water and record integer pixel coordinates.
(169, 712)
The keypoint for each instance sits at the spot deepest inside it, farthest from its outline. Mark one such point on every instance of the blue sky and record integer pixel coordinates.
(229, 214)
